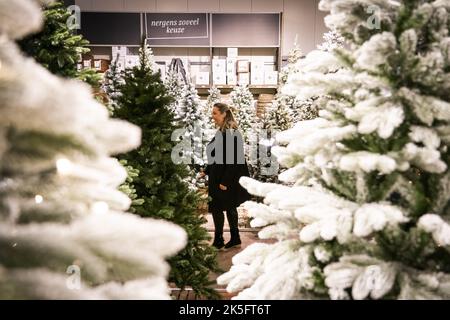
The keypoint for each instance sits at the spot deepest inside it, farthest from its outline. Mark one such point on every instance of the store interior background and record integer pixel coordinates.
(301, 21)
(298, 16)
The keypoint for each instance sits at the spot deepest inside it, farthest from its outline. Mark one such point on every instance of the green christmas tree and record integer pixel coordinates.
(57, 47)
(145, 102)
(368, 217)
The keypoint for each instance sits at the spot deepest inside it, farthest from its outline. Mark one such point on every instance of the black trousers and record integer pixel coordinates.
(232, 217)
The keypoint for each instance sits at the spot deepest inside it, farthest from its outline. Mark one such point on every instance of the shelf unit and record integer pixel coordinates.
(199, 57)
(224, 89)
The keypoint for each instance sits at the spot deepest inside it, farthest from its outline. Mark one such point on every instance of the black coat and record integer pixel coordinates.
(227, 172)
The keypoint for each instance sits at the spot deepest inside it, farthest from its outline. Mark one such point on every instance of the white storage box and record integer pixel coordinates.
(232, 52)
(161, 67)
(231, 79)
(219, 66)
(257, 66)
(202, 78)
(220, 78)
(231, 66)
(244, 78)
(131, 61)
(121, 64)
(271, 77)
(119, 50)
(257, 78)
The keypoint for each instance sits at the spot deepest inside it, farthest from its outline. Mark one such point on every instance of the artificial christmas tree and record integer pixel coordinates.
(111, 82)
(57, 47)
(195, 123)
(213, 97)
(249, 124)
(331, 40)
(245, 112)
(303, 109)
(276, 119)
(294, 55)
(368, 217)
(298, 110)
(145, 102)
(63, 230)
(176, 88)
(128, 188)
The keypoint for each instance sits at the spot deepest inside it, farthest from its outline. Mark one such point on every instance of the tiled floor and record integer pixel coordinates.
(248, 236)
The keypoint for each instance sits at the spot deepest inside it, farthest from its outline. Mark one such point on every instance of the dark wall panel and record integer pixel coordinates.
(251, 30)
(110, 28)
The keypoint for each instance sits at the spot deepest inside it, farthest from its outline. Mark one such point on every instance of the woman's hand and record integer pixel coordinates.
(222, 187)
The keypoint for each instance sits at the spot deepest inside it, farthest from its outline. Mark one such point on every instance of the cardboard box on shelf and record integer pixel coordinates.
(101, 65)
(131, 61)
(220, 78)
(257, 78)
(219, 66)
(202, 78)
(244, 78)
(87, 63)
(232, 52)
(271, 78)
(243, 66)
(231, 66)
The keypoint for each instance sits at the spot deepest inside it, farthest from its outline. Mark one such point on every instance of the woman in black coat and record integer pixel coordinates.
(226, 164)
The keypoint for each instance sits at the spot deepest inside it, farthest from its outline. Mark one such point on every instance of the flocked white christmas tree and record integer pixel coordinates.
(112, 80)
(368, 216)
(196, 124)
(278, 118)
(176, 87)
(213, 96)
(63, 231)
(331, 40)
(245, 112)
(303, 109)
(294, 55)
(298, 110)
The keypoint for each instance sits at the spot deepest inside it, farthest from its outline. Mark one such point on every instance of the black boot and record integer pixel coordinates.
(235, 241)
(218, 243)
(218, 230)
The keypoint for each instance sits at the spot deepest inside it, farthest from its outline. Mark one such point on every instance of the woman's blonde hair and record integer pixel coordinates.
(229, 122)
